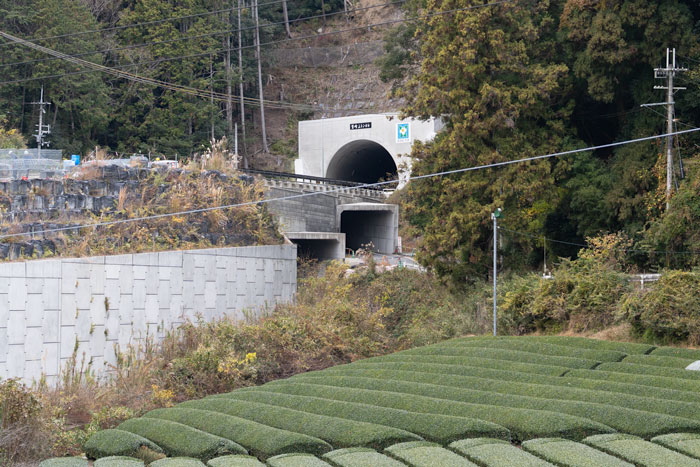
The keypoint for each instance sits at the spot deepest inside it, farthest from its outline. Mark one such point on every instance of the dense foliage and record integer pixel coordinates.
(526, 78)
(90, 108)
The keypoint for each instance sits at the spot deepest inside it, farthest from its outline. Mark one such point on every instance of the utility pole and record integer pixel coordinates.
(240, 86)
(42, 129)
(495, 216)
(668, 74)
(260, 85)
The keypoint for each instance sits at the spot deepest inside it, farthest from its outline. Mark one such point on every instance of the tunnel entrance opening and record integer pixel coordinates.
(362, 161)
(365, 223)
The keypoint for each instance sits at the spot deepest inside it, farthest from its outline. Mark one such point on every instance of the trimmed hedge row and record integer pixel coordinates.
(496, 453)
(178, 440)
(236, 460)
(524, 423)
(691, 354)
(503, 354)
(658, 360)
(425, 454)
(685, 443)
(261, 440)
(296, 460)
(584, 379)
(537, 388)
(639, 452)
(455, 360)
(677, 384)
(64, 462)
(566, 453)
(437, 427)
(338, 432)
(628, 420)
(534, 346)
(177, 462)
(107, 443)
(651, 370)
(118, 461)
(584, 343)
(360, 457)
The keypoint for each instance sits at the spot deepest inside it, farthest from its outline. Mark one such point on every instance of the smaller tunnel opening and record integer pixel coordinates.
(316, 249)
(378, 227)
(362, 161)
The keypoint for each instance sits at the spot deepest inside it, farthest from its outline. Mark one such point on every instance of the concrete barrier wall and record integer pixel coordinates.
(50, 309)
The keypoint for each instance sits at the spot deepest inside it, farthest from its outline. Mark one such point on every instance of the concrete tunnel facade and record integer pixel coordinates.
(361, 148)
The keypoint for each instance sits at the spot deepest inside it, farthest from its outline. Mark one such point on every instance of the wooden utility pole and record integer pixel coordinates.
(286, 18)
(260, 82)
(229, 90)
(240, 87)
(668, 74)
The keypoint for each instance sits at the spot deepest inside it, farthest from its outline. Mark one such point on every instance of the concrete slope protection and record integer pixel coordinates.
(535, 401)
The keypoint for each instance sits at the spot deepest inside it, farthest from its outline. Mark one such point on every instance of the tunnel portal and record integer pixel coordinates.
(362, 161)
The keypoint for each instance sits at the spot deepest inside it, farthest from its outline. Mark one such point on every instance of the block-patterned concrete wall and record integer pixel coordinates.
(50, 308)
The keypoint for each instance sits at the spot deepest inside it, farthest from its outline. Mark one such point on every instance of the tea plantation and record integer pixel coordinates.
(478, 401)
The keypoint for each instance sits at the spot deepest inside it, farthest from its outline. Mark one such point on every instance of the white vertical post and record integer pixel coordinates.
(495, 215)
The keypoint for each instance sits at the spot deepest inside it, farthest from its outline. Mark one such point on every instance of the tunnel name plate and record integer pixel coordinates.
(360, 126)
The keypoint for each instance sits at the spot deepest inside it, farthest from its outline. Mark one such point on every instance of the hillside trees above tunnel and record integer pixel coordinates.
(528, 78)
(489, 71)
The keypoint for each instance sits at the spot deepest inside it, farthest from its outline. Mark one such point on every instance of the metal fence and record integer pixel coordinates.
(18, 163)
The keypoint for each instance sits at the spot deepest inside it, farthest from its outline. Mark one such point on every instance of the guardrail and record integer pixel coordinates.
(312, 178)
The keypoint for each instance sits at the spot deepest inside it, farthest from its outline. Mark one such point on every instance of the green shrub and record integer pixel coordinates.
(677, 384)
(691, 354)
(503, 354)
(427, 398)
(424, 454)
(64, 462)
(456, 389)
(360, 457)
(596, 344)
(261, 440)
(236, 460)
(638, 451)
(178, 440)
(118, 461)
(496, 453)
(685, 443)
(112, 442)
(178, 462)
(658, 360)
(581, 296)
(540, 387)
(436, 427)
(296, 460)
(668, 310)
(651, 370)
(566, 453)
(491, 363)
(336, 431)
(535, 346)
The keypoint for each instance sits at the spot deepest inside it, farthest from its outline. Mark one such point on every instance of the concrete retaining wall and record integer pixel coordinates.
(50, 307)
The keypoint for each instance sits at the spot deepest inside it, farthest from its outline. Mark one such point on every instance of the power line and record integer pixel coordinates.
(197, 36)
(340, 189)
(136, 25)
(309, 36)
(130, 76)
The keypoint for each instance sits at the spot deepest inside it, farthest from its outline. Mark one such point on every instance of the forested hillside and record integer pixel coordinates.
(512, 79)
(526, 78)
(186, 43)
